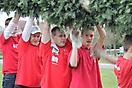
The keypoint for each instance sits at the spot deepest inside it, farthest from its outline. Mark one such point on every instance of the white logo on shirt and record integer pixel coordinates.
(54, 60)
(15, 45)
(119, 87)
(118, 68)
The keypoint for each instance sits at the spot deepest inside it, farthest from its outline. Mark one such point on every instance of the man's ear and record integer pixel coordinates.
(52, 36)
(130, 49)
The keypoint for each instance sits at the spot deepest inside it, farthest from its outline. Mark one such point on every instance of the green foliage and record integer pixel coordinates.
(66, 12)
(23, 7)
(115, 14)
(60, 12)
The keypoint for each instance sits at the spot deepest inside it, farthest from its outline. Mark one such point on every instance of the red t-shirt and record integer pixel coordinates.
(9, 52)
(123, 71)
(56, 73)
(87, 73)
(29, 65)
(0, 42)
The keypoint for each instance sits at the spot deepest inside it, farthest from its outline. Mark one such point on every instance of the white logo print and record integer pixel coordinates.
(15, 45)
(54, 60)
(118, 68)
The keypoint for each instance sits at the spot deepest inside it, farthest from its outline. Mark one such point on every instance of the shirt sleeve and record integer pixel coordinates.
(123, 67)
(27, 29)
(22, 46)
(69, 44)
(0, 41)
(103, 47)
(10, 28)
(44, 48)
(69, 55)
(125, 64)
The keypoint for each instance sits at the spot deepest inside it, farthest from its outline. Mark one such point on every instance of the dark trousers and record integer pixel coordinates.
(9, 80)
(20, 86)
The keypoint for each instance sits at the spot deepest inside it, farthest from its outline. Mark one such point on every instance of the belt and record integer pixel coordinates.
(9, 73)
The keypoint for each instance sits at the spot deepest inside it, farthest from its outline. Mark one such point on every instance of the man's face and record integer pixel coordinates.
(15, 30)
(87, 37)
(35, 39)
(60, 38)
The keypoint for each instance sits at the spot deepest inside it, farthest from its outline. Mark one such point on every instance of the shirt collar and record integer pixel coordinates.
(84, 47)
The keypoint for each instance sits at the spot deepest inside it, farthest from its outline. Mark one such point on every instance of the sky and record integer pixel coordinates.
(3, 17)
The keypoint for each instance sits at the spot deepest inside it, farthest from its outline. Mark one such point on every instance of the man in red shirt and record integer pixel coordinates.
(29, 63)
(85, 69)
(55, 71)
(123, 67)
(9, 42)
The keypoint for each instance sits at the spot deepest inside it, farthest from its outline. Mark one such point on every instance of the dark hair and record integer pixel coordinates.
(89, 28)
(53, 30)
(127, 42)
(7, 21)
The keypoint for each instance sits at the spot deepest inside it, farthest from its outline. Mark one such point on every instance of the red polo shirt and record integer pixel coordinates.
(123, 72)
(10, 54)
(29, 65)
(87, 73)
(56, 73)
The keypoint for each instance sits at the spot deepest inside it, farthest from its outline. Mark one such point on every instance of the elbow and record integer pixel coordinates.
(73, 63)
(103, 36)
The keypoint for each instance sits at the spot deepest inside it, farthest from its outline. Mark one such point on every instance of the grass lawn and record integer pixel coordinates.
(102, 60)
(108, 78)
(0, 76)
(0, 54)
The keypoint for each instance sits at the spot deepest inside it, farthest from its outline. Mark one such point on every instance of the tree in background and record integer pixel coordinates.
(113, 40)
(115, 14)
(1, 29)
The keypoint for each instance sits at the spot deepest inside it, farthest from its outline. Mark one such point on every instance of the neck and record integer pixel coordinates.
(13, 34)
(127, 56)
(86, 46)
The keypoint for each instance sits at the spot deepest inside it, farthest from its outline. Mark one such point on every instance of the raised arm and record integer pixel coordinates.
(99, 52)
(27, 29)
(75, 37)
(11, 27)
(100, 43)
(70, 28)
(46, 32)
(102, 34)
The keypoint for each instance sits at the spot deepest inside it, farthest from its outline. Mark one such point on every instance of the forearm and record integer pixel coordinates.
(10, 28)
(102, 34)
(16, 18)
(110, 58)
(46, 33)
(27, 29)
(73, 58)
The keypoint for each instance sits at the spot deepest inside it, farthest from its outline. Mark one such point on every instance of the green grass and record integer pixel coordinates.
(108, 78)
(102, 60)
(1, 76)
(0, 54)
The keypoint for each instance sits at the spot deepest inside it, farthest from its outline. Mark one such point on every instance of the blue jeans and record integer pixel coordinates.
(20, 86)
(9, 80)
